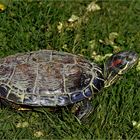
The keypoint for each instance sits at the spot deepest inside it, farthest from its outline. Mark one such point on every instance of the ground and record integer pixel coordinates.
(91, 29)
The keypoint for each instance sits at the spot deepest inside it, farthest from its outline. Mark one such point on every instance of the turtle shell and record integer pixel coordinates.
(48, 78)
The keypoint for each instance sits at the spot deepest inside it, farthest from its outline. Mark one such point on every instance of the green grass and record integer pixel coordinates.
(28, 25)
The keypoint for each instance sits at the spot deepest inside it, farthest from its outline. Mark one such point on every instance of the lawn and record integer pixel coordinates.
(91, 29)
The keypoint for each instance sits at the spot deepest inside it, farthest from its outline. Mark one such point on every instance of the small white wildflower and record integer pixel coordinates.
(65, 46)
(73, 18)
(59, 27)
(93, 7)
(22, 125)
(2, 7)
(113, 35)
(38, 134)
(110, 40)
(25, 124)
(100, 57)
(18, 125)
(116, 47)
(134, 123)
(94, 53)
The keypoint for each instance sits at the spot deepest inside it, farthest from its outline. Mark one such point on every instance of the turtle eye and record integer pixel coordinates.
(128, 59)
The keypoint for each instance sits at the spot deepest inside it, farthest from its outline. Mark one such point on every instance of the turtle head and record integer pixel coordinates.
(117, 65)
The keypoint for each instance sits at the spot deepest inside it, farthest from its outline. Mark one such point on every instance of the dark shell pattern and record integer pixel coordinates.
(47, 78)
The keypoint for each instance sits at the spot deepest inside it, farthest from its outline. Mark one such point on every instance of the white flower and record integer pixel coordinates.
(59, 27)
(136, 124)
(2, 7)
(93, 7)
(38, 134)
(22, 124)
(73, 18)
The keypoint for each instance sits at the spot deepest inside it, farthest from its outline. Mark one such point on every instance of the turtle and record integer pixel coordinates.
(49, 78)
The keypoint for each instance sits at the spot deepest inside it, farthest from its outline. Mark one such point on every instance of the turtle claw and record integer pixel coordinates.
(82, 109)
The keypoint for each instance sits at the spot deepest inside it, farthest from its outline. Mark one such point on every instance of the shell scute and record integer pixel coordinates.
(72, 78)
(50, 77)
(88, 92)
(14, 97)
(40, 56)
(16, 59)
(4, 91)
(83, 62)
(5, 72)
(77, 96)
(31, 99)
(63, 58)
(63, 100)
(48, 100)
(76, 77)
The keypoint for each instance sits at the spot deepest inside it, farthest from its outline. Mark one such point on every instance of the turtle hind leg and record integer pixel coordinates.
(82, 109)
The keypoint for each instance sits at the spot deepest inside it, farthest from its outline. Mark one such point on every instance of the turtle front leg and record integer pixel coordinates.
(82, 109)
